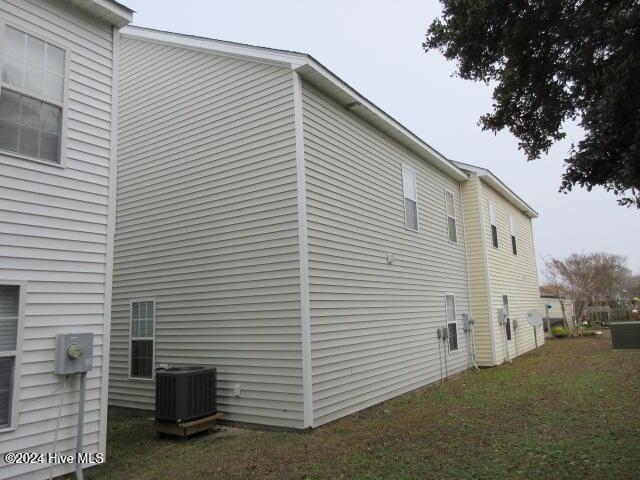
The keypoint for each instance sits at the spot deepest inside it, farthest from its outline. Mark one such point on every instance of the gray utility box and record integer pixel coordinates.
(74, 353)
(625, 335)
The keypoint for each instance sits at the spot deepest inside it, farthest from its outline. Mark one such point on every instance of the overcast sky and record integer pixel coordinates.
(375, 46)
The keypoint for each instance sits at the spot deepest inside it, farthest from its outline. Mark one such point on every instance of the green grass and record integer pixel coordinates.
(569, 410)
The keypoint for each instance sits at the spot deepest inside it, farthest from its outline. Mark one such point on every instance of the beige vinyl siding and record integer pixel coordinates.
(373, 324)
(477, 271)
(207, 225)
(53, 237)
(512, 275)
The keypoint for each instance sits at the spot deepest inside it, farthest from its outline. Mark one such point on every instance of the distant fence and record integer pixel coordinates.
(607, 315)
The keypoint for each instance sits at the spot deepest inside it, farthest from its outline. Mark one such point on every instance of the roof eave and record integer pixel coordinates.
(321, 77)
(489, 178)
(108, 11)
(316, 74)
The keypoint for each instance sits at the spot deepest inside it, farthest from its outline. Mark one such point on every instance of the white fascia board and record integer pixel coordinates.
(490, 179)
(318, 75)
(107, 10)
(247, 52)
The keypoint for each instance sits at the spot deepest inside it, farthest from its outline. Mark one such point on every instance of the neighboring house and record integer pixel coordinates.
(57, 186)
(277, 225)
(502, 266)
(555, 312)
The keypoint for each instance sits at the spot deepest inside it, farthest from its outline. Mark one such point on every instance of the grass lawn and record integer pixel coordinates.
(569, 410)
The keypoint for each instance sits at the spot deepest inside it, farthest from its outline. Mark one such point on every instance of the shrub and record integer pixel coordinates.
(587, 333)
(559, 332)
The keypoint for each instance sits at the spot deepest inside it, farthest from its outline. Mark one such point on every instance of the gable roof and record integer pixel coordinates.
(108, 11)
(490, 179)
(316, 74)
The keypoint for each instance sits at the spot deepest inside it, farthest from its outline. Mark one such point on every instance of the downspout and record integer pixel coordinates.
(111, 227)
(303, 245)
(487, 276)
(466, 259)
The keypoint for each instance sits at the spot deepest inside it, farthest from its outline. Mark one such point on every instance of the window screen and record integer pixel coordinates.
(31, 97)
(451, 322)
(512, 229)
(505, 309)
(451, 216)
(9, 305)
(410, 198)
(494, 224)
(143, 318)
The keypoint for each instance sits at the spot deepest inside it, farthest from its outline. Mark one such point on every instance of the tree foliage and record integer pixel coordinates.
(553, 61)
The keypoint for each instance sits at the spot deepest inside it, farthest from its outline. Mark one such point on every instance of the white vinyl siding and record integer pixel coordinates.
(452, 227)
(54, 238)
(373, 321)
(207, 226)
(410, 198)
(31, 96)
(512, 276)
(143, 319)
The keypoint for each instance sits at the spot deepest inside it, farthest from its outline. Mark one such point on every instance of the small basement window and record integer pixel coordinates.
(143, 319)
(452, 326)
(494, 224)
(410, 198)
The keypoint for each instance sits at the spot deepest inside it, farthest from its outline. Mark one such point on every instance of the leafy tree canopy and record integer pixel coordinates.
(553, 61)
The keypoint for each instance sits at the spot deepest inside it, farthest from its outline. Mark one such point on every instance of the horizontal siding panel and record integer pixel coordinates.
(373, 324)
(53, 233)
(207, 225)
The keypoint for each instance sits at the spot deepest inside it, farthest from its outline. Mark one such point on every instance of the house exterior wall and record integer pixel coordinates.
(54, 241)
(207, 226)
(478, 271)
(373, 324)
(494, 272)
(513, 275)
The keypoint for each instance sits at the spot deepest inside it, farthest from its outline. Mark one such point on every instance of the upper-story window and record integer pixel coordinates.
(494, 224)
(31, 96)
(512, 229)
(450, 202)
(410, 198)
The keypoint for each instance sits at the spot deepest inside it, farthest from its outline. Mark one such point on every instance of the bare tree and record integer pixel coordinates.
(555, 287)
(591, 279)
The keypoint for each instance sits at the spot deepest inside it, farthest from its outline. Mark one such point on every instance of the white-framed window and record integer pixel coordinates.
(450, 205)
(452, 325)
(410, 198)
(505, 310)
(10, 342)
(494, 224)
(512, 229)
(143, 326)
(32, 94)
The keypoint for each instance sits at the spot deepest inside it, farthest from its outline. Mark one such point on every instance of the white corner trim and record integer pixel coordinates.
(111, 225)
(305, 305)
(487, 276)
